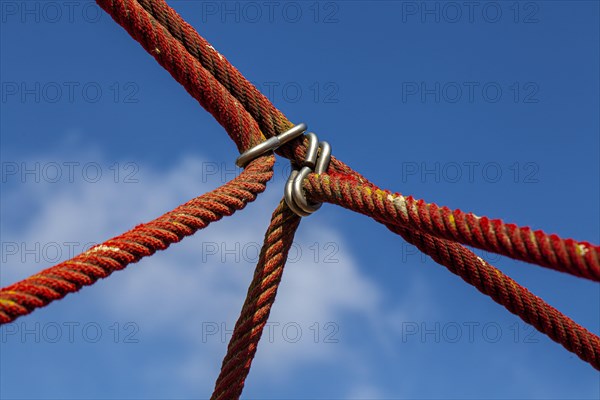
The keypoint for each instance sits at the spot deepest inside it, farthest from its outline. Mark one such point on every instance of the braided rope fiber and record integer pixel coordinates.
(567, 255)
(214, 71)
(577, 258)
(249, 117)
(382, 206)
(258, 105)
(269, 118)
(188, 71)
(508, 293)
(257, 306)
(115, 254)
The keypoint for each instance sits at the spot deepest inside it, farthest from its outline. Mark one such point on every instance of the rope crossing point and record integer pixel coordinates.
(251, 121)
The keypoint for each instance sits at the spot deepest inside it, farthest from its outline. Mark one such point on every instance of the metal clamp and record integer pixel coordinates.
(270, 144)
(294, 194)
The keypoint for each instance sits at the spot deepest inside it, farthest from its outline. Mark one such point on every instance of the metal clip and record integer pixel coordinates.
(294, 194)
(270, 144)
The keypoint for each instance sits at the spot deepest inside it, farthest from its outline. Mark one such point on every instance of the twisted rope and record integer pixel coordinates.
(522, 243)
(115, 254)
(257, 306)
(386, 208)
(154, 18)
(270, 120)
(185, 69)
(248, 118)
(508, 293)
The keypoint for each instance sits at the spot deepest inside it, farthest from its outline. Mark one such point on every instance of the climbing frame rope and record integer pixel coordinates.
(250, 118)
(144, 240)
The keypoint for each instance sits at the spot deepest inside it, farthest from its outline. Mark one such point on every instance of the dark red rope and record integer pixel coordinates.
(522, 243)
(188, 71)
(258, 303)
(508, 293)
(270, 120)
(219, 87)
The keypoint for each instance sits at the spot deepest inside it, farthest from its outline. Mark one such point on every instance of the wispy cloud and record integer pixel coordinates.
(193, 297)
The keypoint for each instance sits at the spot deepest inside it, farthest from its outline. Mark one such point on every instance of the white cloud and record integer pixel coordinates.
(182, 292)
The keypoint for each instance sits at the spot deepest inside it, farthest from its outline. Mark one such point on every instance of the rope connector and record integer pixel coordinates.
(319, 162)
(270, 144)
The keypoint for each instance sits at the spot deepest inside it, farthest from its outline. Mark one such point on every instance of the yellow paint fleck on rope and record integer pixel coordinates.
(9, 302)
(532, 236)
(582, 249)
(452, 221)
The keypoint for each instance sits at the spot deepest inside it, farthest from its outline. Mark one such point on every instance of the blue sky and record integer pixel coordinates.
(490, 107)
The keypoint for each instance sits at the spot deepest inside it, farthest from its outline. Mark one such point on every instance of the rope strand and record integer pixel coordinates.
(188, 71)
(258, 303)
(522, 243)
(100, 261)
(508, 293)
(270, 120)
(249, 117)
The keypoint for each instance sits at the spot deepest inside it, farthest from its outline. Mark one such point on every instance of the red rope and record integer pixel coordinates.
(258, 303)
(115, 254)
(522, 243)
(383, 207)
(201, 70)
(188, 71)
(580, 259)
(508, 293)
(248, 117)
(270, 120)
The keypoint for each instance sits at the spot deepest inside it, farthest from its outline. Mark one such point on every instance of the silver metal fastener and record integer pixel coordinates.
(270, 145)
